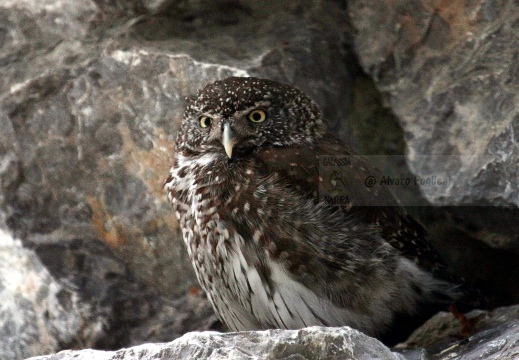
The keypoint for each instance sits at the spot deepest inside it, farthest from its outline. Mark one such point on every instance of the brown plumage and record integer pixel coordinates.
(268, 251)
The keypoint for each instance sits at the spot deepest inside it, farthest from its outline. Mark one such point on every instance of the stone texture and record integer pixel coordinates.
(495, 335)
(90, 99)
(449, 73)
(94, 131)
(131, 311)
(310, 343)
(89, 301)
(37, 313)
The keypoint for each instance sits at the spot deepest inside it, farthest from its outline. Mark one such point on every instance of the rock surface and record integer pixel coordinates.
(495, 336)
(88, 126)
(83, 302)
(37, 313)
(449, 73)
(310, 343)
(90, 99)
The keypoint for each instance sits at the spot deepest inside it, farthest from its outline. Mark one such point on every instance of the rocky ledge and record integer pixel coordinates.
(496, 336)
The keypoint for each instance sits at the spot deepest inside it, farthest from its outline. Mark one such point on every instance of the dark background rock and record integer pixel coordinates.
(448, 71)
(92, 93)
(495, 335)
(450, 75)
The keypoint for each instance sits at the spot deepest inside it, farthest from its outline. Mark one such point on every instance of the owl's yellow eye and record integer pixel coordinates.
(257, 116)
(205, 121)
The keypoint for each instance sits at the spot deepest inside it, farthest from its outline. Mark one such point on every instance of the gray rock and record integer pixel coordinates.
(132, 311)
(91, 95)
(449, 73)
(92, 302)
(495, 335)
(37, 313)
(310, 343)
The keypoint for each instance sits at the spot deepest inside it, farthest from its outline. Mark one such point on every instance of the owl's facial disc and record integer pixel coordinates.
(237, 116)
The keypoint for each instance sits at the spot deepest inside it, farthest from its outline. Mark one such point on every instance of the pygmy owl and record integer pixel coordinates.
(267, 250)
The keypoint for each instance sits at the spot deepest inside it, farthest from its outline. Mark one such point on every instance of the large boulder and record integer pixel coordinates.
(494, 336)
(91, 97)
(310, 343)
(448, 71)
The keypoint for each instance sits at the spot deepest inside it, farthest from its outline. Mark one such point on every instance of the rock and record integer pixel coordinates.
(91, 296)
(132, 311)
(91, 136)
(495, 335)
(37, 313)
(310, 343)
(91, 97)
(448, 72)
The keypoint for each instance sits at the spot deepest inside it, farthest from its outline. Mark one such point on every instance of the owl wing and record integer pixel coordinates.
(331, 168)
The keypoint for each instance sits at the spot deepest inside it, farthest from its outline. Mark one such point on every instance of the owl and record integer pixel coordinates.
(266, 248)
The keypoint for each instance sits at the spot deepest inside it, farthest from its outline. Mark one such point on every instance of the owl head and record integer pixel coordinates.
(240, 115)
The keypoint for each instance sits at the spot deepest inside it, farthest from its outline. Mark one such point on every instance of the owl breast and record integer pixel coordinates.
(217, 215)
(205, 204)
(233, 225)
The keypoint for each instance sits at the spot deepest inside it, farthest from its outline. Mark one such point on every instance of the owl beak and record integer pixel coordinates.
(228, 139)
